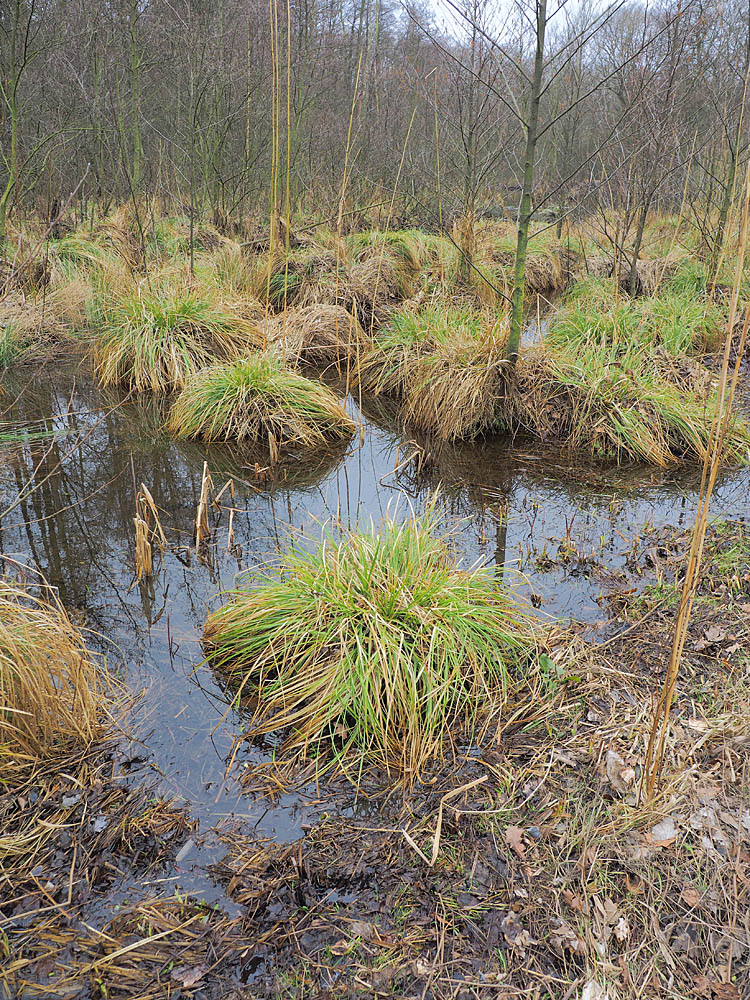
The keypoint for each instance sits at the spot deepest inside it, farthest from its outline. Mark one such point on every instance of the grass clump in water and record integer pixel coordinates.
(443, 363)
(258, 398)
(50, 692)
(376, 643)
(625, 403)
(156, 340)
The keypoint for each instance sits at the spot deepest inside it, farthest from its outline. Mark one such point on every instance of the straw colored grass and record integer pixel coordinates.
(322, 335)
(443, 363)
(156, 340)
(34, 329)
(405, 251)
(373, 643)
(258, 398)
(50, 691)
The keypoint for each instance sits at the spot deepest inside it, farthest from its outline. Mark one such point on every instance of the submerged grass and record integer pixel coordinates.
(154, 340)
(258, 398)
(375, 644)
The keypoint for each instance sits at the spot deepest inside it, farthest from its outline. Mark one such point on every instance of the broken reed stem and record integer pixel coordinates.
(202, 528)
(711, 465)
(147, 533)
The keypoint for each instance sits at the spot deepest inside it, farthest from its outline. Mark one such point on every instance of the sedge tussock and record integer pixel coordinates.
(35, 329)
(311, 273)
(156, 340)
(50, 690)
(593, 312)
(324, 334)
(455, 391)
(620, 403)
(409, 247)
(258, 399)
(232, 270)
(373, 643)
(443, 362)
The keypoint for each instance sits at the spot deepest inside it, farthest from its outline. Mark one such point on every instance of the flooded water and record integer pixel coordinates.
(563, 531)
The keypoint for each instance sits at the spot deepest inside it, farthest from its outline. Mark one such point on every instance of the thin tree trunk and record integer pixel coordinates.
(640, 229)
(525, 211)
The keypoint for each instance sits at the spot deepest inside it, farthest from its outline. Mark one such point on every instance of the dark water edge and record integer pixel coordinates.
(561, 530)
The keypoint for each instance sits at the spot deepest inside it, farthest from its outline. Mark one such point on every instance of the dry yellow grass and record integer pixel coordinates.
(50, 687)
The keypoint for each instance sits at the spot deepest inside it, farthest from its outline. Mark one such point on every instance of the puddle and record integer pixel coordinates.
(565, 526)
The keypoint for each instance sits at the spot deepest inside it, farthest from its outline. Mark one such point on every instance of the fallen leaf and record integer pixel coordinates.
(634, 884)
(573, 901)
(714, 633)
(708, 988)
(622, 929)
(690, 896)
(594, 991)
(563, 938)
(685, 940)
(619, 774)
(514, 839)
(184, 850)
(362, 928)
(342, 946)
(515, 934)
(663, 834)
(189, 975)
(702, 986)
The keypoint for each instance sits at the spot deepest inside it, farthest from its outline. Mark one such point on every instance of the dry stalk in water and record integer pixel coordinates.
(711, 464)
(202, 528)
(148, 530)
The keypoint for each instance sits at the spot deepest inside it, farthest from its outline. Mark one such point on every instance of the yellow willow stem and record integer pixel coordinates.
(711, 464)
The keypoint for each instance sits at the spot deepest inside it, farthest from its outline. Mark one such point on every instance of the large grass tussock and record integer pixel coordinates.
(376, 643)
(319, 335)
(258, 399)
(156, 340)
(623, 404)
(442, 362)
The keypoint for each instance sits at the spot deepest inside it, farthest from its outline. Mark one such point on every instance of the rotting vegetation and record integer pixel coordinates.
(524, 862)
(64, 807)
(425, 789)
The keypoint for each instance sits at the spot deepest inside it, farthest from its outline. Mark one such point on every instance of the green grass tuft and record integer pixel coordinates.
(376, 644)
(621, 402)
(156, 340)
(443, 364)
(593, 313)
(259, 399)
